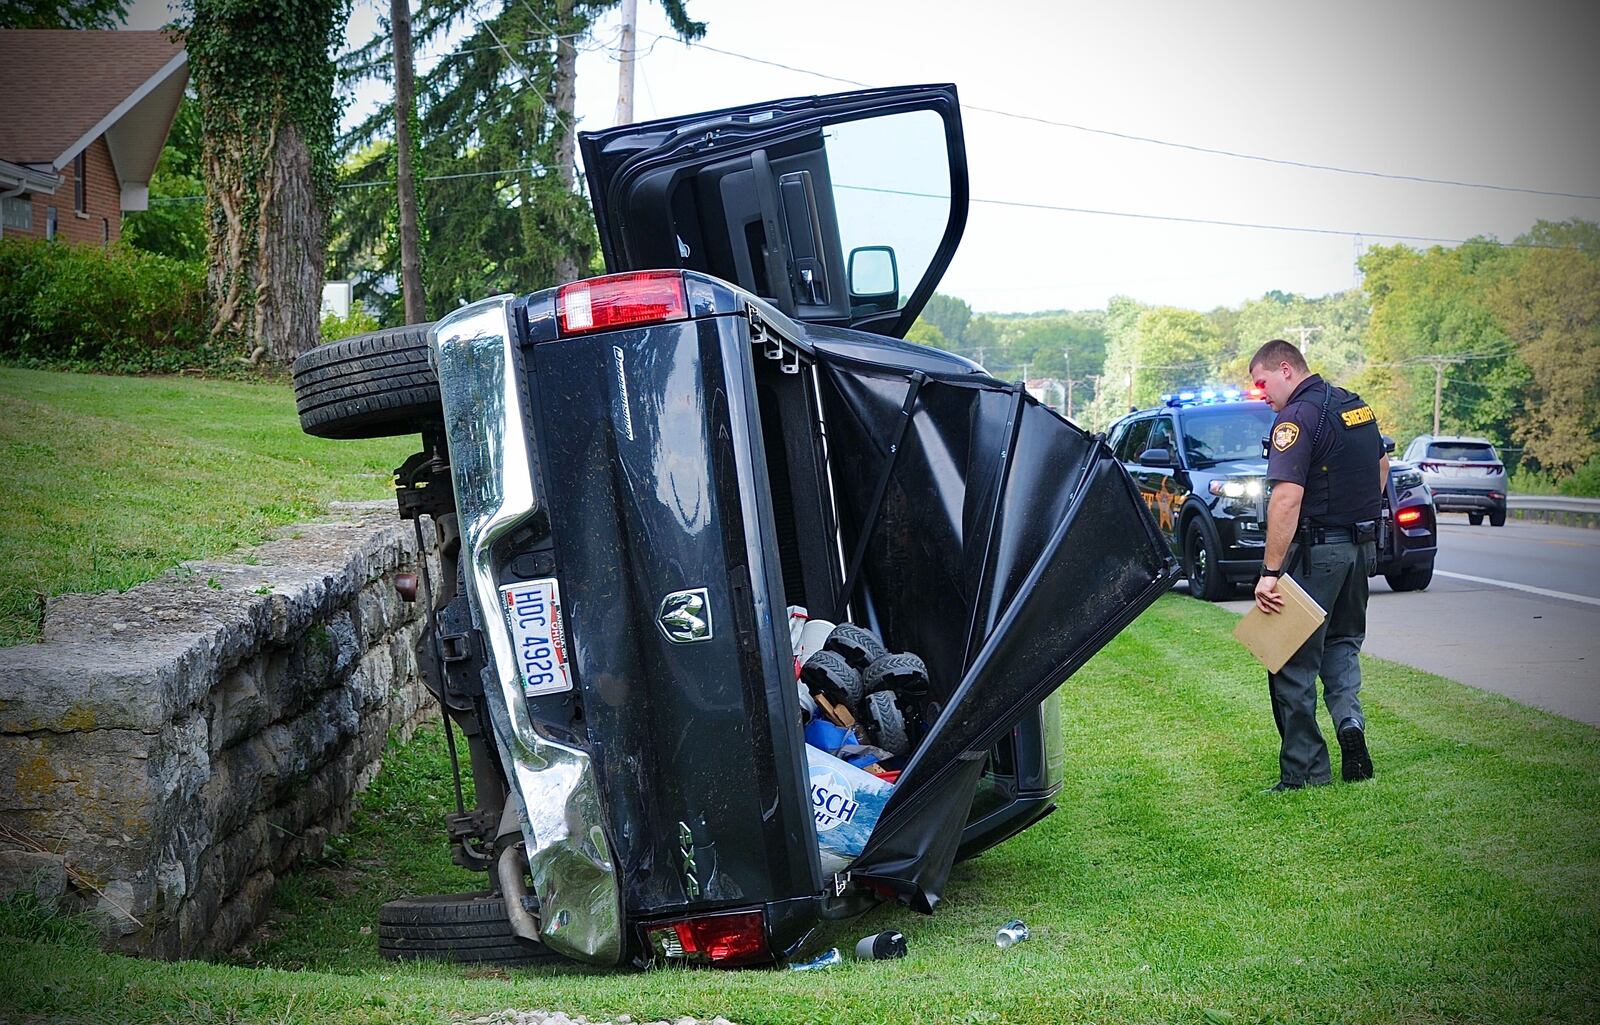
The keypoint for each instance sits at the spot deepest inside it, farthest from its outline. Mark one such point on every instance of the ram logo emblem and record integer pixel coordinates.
(686, 616)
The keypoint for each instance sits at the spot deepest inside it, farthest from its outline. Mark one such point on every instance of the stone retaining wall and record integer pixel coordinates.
(177, 748)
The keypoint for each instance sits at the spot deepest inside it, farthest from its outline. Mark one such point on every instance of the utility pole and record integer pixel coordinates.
(1304, 334)
(405, 182)
(626, 48)
(1438, 388)
(1066, 354)
(1438, 363)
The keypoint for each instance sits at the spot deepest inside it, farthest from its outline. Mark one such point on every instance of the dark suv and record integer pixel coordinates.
(1199, 462)
(634, 480)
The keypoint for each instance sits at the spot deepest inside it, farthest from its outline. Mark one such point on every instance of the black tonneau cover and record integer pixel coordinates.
(1005, 545)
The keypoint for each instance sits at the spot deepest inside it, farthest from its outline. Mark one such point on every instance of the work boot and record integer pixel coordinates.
(1354, 762)
(1284, 786)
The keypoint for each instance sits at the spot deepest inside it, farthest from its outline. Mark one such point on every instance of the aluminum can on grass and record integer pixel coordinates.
(1010, 934)
(827, 959)
(883, 946)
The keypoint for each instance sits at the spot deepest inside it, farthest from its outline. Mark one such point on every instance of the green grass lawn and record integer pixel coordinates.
(1461, 885)
(110, 480)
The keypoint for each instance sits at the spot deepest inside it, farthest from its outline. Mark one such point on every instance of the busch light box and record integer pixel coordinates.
(845, 802)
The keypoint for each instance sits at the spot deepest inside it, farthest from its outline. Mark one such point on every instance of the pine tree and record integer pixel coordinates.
(495, 132)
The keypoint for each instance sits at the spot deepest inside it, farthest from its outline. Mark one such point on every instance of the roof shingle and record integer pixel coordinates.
(58, 84)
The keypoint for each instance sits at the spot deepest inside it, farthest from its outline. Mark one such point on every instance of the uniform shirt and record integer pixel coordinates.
(1289, 445)
(1294, 435)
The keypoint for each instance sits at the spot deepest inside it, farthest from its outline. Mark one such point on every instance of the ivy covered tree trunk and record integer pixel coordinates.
(265, 82)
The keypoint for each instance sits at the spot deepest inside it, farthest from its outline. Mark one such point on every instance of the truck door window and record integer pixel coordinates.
(891, 187)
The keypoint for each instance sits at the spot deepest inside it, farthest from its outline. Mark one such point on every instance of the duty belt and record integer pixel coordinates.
(1327, 535)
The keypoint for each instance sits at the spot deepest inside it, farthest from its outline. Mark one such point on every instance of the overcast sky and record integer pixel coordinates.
(1499, 94)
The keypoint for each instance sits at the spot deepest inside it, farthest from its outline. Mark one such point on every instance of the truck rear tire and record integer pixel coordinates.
(468, 928)
(375, 385)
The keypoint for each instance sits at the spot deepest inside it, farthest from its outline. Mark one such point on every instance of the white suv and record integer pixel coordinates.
(1464, 474)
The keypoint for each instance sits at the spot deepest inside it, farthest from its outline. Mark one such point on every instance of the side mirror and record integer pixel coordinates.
(874, 277)
(1156, 457)
(1388, 444)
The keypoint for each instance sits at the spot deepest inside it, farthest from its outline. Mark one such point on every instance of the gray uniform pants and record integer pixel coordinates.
(1336, 576)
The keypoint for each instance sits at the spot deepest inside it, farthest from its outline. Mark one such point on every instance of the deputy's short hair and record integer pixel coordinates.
(1278, 351)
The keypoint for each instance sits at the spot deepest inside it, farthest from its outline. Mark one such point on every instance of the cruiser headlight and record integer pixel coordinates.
(1237, 487)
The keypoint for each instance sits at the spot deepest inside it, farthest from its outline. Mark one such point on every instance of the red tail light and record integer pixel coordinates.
(621, 300)
(1406, 517)
(727, 940)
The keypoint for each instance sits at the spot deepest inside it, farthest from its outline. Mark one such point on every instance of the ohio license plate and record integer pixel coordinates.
(533, 610)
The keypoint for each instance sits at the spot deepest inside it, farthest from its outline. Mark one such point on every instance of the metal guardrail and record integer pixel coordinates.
(1562, 509)
(1553, 503)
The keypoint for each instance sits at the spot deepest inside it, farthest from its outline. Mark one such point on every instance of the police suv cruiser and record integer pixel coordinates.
(1200, 465)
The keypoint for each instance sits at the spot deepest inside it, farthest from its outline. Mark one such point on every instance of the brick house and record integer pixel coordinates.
(83, 117)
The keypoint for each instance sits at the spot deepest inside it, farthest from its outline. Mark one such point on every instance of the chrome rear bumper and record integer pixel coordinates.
(569, 857)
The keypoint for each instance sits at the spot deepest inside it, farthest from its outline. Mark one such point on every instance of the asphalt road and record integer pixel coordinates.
(1513, 609)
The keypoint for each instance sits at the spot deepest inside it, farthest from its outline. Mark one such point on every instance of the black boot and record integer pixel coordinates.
(1354, 764)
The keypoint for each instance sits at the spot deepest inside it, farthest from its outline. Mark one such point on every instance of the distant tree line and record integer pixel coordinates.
(1509, 334)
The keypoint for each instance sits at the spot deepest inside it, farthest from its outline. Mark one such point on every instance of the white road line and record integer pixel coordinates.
(1519, 587)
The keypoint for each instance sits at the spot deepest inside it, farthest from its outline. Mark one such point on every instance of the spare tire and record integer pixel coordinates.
(377, 385)
(902, 673)
(828, 674)
(859, 646)
(887, 724)
(463, 927)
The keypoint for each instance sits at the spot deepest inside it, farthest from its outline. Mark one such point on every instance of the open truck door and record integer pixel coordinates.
(841, 210)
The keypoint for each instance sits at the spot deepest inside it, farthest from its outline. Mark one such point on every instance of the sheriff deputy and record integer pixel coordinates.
(1327, 468)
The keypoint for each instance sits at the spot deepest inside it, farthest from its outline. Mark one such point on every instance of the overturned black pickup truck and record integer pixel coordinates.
(649, 487)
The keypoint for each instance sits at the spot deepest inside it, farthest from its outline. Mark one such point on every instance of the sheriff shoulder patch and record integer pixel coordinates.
(1358, 416)
(1285, 435)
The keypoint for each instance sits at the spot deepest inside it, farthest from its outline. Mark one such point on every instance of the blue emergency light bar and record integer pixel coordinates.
(1205, 395)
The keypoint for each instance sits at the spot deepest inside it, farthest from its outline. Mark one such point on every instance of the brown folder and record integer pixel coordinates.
(1273, 638)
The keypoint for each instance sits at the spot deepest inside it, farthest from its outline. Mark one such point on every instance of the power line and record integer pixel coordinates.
(770, 64)
(1430, 359)
(530, 44)
(1282, 161)
(523, 74)
(383, 181)
(448, 177)
(1024, 204)
(1153, 141)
